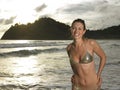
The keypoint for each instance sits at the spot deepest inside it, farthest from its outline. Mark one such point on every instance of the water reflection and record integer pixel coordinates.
(24, 65)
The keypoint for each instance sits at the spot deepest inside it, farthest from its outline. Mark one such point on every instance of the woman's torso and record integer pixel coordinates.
(85, 74)
(83, 65)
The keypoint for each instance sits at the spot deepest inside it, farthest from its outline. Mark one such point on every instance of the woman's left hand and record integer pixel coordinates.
(99, 82)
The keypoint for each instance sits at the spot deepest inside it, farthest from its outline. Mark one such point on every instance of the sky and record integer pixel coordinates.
(98, 14)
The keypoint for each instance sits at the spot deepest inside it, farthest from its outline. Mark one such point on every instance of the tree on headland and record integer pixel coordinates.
(49, 29)
(42, 29)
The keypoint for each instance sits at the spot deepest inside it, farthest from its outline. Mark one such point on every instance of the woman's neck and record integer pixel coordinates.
(78, 42)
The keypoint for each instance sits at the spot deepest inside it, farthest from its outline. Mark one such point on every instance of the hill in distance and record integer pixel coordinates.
(49, 29)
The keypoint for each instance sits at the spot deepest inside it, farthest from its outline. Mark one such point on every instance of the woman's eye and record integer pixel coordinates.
(72, 28)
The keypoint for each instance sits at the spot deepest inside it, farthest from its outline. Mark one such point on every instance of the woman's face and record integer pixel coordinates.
(77, 30)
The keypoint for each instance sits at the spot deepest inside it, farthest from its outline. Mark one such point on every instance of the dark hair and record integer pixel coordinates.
(81, 21)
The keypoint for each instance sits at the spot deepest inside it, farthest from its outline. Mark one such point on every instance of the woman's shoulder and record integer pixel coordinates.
(91, 41)
(69, 47)
(94, 43)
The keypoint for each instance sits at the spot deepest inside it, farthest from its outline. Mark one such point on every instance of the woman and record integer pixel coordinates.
(81, 52)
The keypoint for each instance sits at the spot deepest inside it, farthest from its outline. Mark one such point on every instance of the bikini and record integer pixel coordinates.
(87, 58)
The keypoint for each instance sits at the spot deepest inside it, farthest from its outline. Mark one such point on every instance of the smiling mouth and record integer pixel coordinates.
(76, 35)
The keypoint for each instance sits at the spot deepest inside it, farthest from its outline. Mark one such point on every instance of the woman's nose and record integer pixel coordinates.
(76, 30)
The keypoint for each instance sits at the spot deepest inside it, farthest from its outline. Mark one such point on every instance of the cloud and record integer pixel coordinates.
(108, 14)
(77, 8)
(7, 21)
(1, 21)
(85, 7)
(40, 8)
(97, 13)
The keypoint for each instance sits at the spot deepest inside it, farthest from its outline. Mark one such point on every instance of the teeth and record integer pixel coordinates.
(76, 34)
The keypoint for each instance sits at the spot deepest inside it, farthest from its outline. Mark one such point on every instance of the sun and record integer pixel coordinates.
(24, 12)
(24, 17)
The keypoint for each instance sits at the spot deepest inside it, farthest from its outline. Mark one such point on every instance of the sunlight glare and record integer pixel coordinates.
(22, 41)
(25, 65)
(25, 12)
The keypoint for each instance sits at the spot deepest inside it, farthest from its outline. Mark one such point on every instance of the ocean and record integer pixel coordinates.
(44, 65)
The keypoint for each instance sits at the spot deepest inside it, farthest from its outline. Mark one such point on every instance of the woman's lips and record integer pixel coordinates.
(77, 34)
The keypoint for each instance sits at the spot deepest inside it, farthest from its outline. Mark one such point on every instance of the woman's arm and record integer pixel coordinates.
(99, 51)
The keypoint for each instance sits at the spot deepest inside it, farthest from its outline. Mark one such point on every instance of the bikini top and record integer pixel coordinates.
(87, 58)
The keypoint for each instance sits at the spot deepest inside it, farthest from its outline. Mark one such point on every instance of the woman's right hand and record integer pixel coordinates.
(73, 79)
